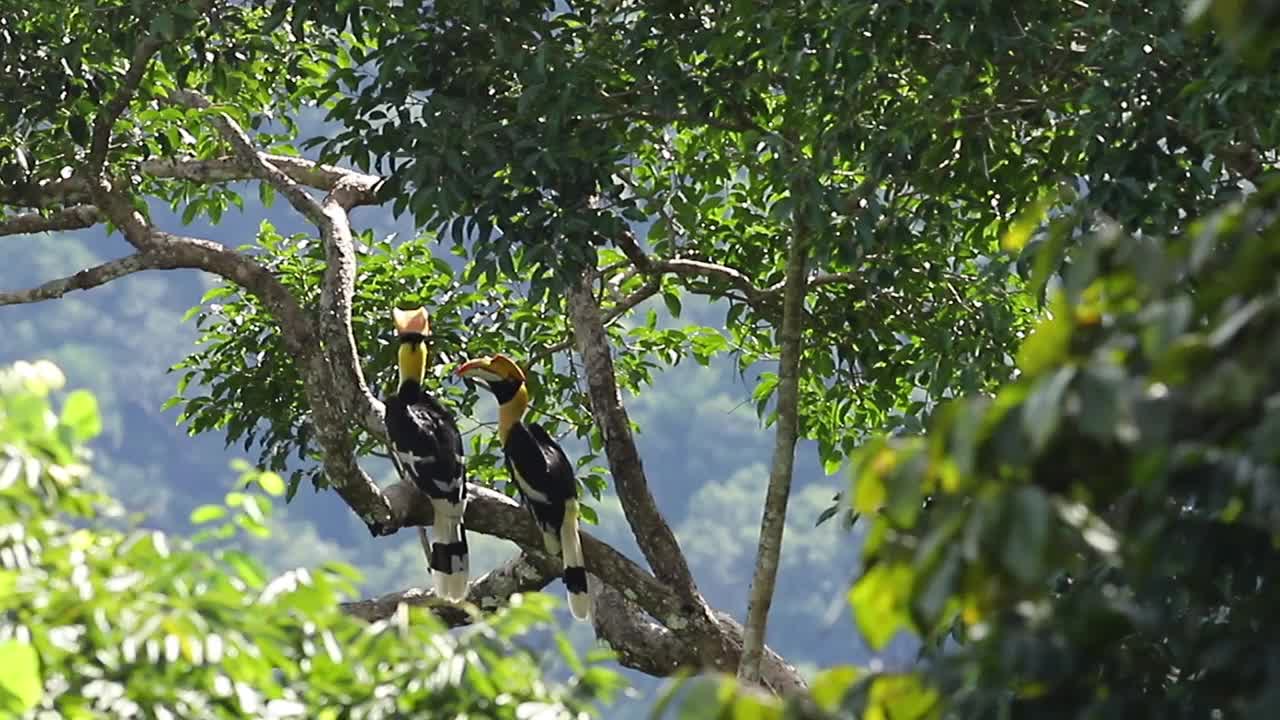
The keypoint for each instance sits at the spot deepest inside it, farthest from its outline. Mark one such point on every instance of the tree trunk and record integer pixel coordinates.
(774, 518)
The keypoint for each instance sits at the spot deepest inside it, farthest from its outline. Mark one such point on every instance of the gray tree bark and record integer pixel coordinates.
(774, 518)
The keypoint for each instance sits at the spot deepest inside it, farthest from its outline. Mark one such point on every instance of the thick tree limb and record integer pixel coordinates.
(72, 218)
(299, 335)
(715, 648)
(346, 379)
(315, 175)
(233, 169)
(670, 643)
(521, 574)
(780, 676)
(336, 295)
(492, 513)
(653, 534)
(774, 518)
(640, 642)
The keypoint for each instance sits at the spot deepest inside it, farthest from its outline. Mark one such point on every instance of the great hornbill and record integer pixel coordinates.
(540, 469)
(427, 448)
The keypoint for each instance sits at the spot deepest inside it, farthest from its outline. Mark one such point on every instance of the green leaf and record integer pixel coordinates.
(1029, 514)
(901, 697)
(80, 414)
(938, 587)
(764, 389)
(830, 686)
(832, 465)
(271, 483)
(1048, 343)
(20, 683)
(1043, 409)
(246, 567)
(672, 301)
(1019, 232)
(879, 601)
(207, 513)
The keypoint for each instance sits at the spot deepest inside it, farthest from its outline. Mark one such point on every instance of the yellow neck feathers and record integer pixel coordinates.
(413, 362)
(511, 411)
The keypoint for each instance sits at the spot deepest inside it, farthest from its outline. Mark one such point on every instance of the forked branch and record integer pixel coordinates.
(652, 532)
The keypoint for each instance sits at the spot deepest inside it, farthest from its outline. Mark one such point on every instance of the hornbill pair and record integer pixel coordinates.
(427, 448)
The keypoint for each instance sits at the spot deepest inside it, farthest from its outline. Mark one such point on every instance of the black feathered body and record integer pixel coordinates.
(541, 472)
(549, 489)
(427, 442)
(427, 446)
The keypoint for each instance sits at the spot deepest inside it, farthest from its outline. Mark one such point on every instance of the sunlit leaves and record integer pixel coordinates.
(1120, 471)
(103, 621)
(80, 415)
(20, 685)
(879, 600)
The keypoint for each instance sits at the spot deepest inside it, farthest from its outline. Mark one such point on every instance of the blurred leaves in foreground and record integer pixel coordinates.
(1102, 537)
(99, 622)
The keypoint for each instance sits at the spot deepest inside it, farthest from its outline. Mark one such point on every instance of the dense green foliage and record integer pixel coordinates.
(1099, 538)
(1101, 535)
(102, 621)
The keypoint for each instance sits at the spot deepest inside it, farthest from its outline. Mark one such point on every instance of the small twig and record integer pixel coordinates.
(644, 292)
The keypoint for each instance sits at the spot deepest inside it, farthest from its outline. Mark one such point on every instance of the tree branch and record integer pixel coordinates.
(652, 533)
(105, 121)
(492, 513)
(243, 147)
(336, 296)
(331, 418)
(624, 305)
(214, 170)
(330, 218)
(713, 641)
(780, 676)
(72, 218)
(714, 648)
(773, 519)
(840, 278)
(641, 643)
(89, 278)
(751, 293)
(697, 268)
(523, 573)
